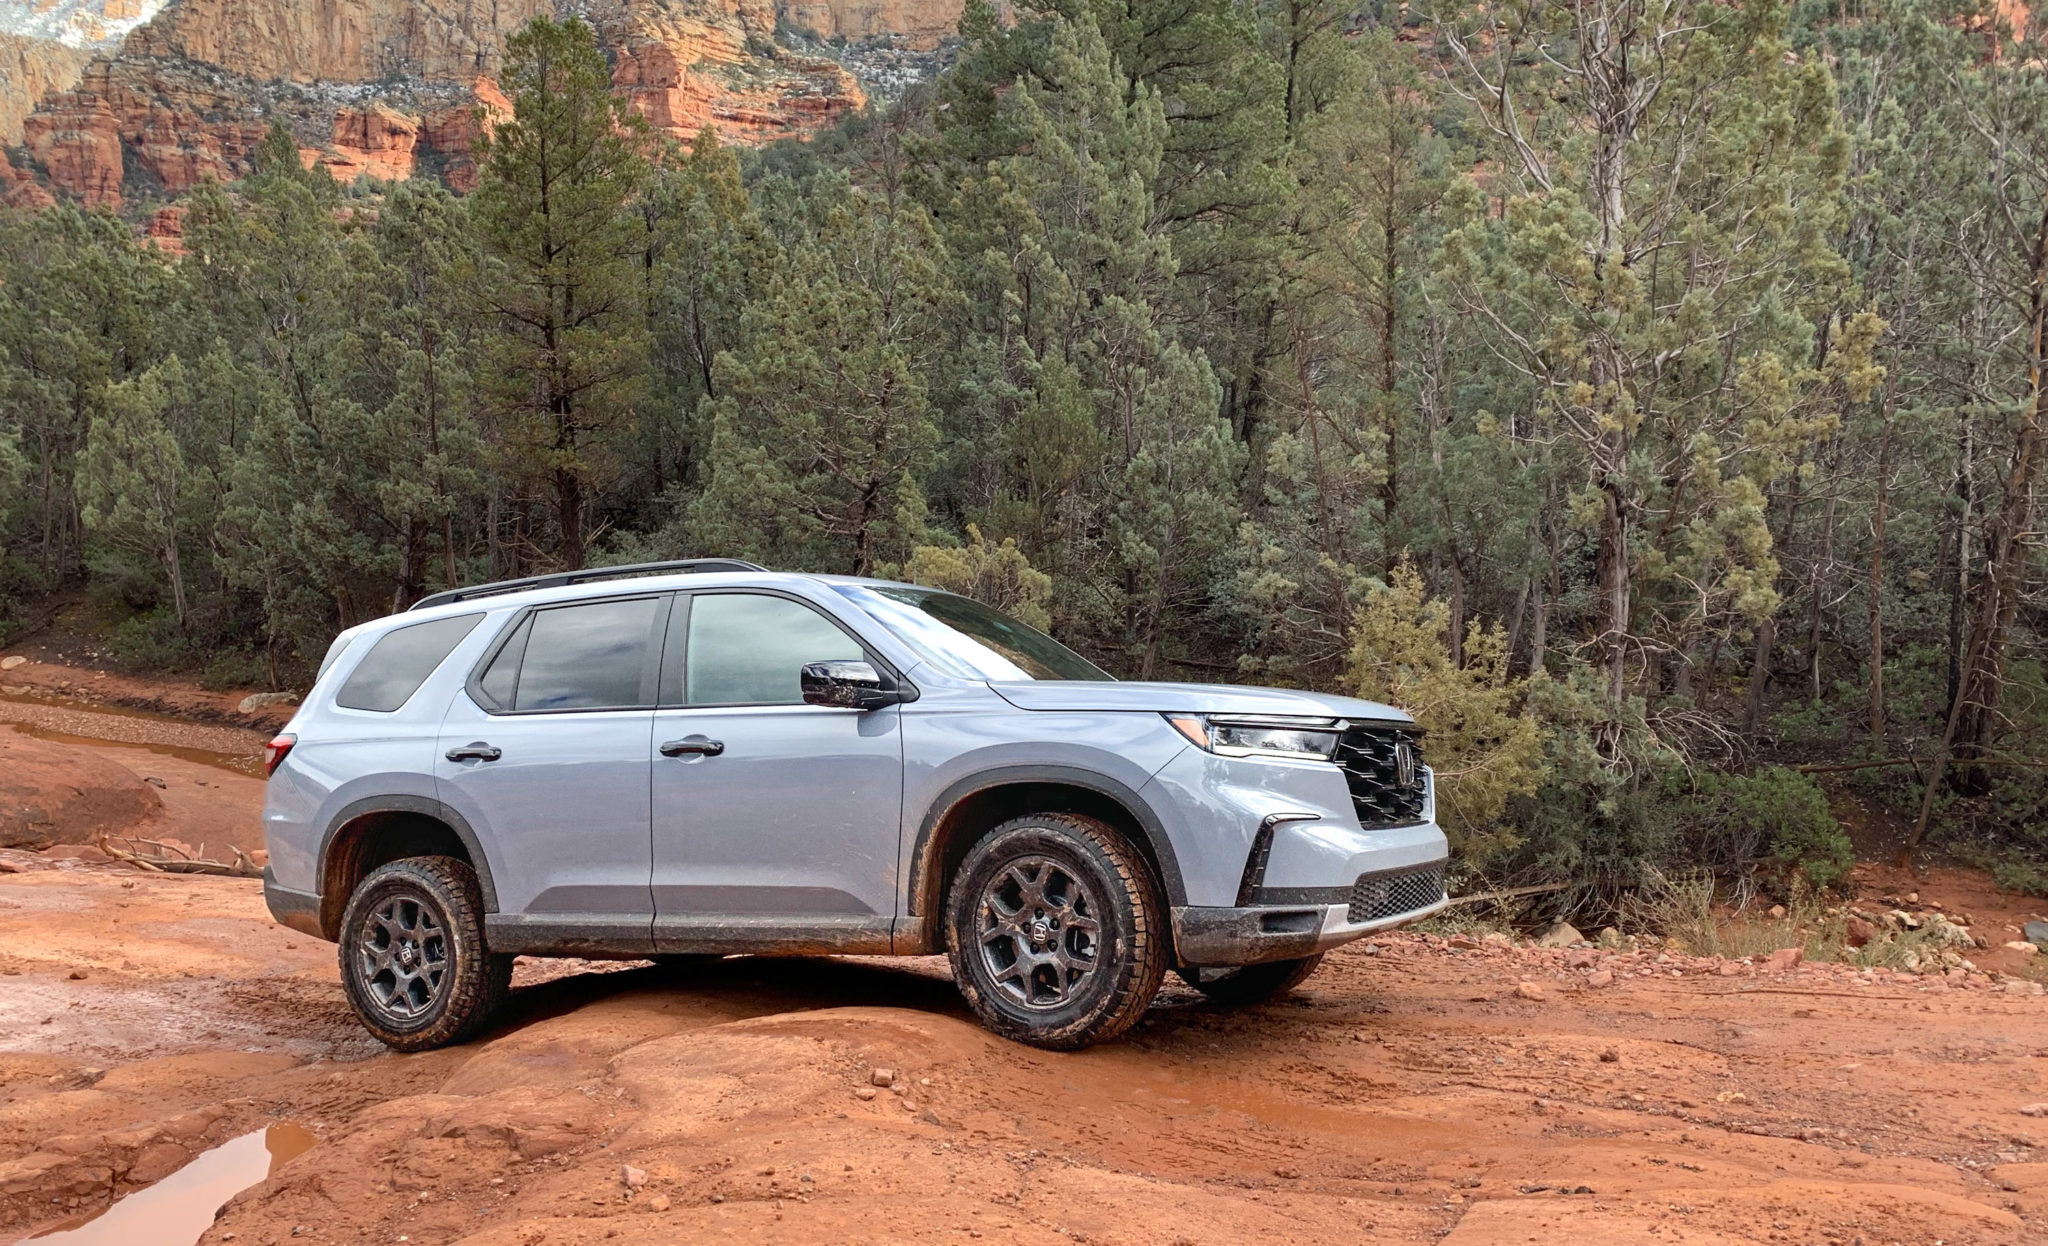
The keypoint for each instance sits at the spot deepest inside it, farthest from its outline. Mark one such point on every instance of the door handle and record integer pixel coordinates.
(701, 746)
(475, 751)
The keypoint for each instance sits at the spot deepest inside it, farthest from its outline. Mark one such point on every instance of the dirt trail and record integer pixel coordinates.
(1417, 1090)
(1408, 1094)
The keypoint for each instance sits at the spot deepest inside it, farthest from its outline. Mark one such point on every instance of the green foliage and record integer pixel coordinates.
(556, 182)
(1637, 439)
(1774, 812)
(1483, 745)
(997, 575)
(823, 428)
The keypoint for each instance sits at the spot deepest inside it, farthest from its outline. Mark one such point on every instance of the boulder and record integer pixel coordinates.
(1563, 934)
(52, 793)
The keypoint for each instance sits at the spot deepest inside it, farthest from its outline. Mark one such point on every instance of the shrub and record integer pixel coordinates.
(995, 575)
(1775, 813)
(1484, 745)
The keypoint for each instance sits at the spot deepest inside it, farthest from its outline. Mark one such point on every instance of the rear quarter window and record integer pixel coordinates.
(400, 662)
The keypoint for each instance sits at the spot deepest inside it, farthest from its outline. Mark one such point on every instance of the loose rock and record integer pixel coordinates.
(884, 1078)
(1563, 934)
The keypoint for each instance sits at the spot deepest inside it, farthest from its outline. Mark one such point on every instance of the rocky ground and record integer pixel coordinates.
(1421, 1087)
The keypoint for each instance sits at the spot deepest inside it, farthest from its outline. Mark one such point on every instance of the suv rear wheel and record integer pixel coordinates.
(1251, 984)
(413, 958)
(1056, 931)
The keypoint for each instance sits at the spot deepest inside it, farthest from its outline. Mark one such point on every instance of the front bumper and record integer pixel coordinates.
(1288, 923)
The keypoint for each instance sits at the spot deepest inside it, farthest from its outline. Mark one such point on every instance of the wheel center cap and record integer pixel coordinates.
(1040, 931)
(406, 954)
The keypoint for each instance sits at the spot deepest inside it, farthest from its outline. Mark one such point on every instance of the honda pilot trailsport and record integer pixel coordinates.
(708, 759)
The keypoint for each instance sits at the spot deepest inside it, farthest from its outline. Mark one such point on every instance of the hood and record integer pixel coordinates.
(1084, 695)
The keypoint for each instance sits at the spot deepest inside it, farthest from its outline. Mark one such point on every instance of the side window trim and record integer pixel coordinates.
(882, 664)
(516, 632)
(675, 651)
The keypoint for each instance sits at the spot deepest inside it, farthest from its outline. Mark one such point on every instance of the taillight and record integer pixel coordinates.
(274, 752)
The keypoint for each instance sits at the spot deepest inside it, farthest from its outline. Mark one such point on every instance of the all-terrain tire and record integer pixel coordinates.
(1056, 931)
(414, 962)
(1251, 984)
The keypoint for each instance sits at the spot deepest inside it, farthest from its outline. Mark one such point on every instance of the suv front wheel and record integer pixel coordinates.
(413, 958)
(1056, 931)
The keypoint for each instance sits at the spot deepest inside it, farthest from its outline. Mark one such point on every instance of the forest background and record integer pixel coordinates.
(1646, 393)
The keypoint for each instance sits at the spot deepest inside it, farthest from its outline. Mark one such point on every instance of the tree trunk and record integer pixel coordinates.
(1614, 589)
(1759, 675)
(175, 571)
(1877, 519)
(1814, 588)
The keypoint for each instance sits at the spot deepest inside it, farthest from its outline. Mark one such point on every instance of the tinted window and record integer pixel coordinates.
(747, 649)
(400, 662)
(965, 638)
(587, 657)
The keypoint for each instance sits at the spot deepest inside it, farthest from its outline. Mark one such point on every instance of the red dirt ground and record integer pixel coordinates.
(1418, 1089)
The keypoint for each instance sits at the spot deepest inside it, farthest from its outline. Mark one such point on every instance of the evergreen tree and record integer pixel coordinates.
(822, 425)
(1651, 252)
(132, 477)
(567, 327)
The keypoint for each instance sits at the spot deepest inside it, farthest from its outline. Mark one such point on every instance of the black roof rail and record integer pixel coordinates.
(558, 578)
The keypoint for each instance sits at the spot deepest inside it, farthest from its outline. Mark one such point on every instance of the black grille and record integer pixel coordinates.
(1391, 893)
(1372, 764)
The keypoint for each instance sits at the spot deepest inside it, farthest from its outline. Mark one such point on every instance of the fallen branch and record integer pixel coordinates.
(1512, 892)
(1916, 762)
(158, 857)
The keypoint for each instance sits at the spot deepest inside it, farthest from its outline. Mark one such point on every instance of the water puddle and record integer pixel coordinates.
(176, 1210)
(237, 763)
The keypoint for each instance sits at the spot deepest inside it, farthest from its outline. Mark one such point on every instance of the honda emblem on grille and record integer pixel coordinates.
(1404, 764)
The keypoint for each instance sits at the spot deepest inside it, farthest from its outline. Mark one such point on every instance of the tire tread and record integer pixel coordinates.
(478, 993)
(1139, 974)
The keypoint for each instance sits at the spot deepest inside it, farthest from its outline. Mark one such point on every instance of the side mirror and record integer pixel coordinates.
(846, 686)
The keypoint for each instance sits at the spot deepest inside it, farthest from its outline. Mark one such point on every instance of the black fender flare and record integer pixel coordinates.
(1072, 776)
(425, 805)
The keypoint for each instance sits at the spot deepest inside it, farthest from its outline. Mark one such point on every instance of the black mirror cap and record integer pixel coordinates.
(846, 685)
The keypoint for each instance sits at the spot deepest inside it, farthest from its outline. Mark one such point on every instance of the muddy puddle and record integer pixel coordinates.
(176, 1210)
(61, 722)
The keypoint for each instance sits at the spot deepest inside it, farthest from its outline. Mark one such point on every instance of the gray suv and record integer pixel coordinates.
(702, 759)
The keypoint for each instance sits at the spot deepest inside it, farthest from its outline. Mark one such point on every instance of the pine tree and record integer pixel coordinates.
(132, 477)
(822, 427)
(568, 328)
(1651, 251)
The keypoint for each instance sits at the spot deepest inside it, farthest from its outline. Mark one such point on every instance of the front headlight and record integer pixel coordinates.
(1260, 736)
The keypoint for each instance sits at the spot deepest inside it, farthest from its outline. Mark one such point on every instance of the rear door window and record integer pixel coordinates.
(749, 649)
(596, 655)
(400, 662)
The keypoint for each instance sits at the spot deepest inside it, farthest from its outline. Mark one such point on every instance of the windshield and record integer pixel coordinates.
(967, 639)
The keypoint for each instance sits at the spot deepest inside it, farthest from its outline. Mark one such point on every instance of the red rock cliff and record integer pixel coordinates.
(387, 88)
